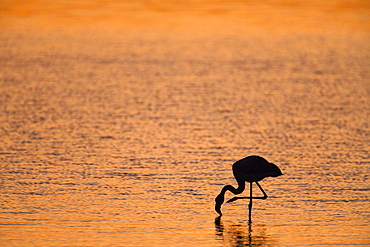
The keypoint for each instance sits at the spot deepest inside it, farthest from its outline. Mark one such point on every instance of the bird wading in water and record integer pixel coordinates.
(250, 169)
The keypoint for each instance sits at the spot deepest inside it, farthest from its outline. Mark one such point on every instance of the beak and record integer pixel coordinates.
(218, 209)
(219, 201)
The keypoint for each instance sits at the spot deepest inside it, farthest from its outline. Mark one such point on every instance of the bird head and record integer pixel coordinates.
(219, 201)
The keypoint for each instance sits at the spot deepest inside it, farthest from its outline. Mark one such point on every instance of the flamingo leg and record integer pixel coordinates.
(250, 203)
(264, 197)
(263, 192)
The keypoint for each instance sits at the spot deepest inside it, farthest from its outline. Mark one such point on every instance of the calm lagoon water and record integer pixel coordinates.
(122, 135)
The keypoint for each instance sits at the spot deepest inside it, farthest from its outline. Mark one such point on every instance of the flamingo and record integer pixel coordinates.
(250, 169)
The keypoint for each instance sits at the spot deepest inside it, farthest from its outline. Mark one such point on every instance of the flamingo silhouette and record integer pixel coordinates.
(250, 169)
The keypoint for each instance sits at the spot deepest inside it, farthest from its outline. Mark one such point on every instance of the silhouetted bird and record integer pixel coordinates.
(250, 169)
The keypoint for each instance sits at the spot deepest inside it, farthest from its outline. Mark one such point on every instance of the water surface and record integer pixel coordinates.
(120, 131)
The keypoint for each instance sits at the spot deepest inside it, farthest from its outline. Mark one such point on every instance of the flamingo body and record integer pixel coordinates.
(254, 168)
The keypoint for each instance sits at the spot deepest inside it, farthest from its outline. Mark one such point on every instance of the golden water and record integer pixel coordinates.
(120, 121)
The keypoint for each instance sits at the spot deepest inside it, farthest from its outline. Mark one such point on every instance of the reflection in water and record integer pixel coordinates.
(239, 235)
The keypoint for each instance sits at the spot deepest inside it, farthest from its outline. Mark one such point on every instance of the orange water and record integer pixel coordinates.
(120, 122)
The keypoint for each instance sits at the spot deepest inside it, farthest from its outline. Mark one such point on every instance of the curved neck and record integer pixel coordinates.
(235, 191)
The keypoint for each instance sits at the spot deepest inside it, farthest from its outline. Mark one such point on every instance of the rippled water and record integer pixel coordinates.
(124, 138)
